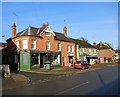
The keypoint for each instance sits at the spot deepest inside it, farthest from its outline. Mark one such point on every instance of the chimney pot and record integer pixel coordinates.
(94, 44)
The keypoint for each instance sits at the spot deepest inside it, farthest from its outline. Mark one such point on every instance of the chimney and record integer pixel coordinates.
(43, 25)
(65, 30)
(100, 43)
(94, 44)
(13, 30)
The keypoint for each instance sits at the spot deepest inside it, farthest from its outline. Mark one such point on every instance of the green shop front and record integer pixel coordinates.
(37, 59)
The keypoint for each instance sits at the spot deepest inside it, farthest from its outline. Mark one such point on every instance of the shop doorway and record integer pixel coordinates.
(70, 61)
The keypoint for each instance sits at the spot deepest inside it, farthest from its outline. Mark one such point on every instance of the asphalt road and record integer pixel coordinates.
(97, 82)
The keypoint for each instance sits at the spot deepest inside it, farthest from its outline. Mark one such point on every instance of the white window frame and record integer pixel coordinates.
(59, 47)
(48, 44)
(83, 50)
(18, 44)
(47, 35)
(68, 48)
(89, 50)
(95, 51)
(23, 44)
(72, 48)
(33, 45)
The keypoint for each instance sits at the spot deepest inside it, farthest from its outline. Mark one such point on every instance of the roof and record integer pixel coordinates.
(83, 43)
(62, 37)
(33, 31)
(104, 46)
(29, 31)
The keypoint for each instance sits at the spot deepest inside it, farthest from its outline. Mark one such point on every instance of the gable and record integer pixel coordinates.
(47, 29)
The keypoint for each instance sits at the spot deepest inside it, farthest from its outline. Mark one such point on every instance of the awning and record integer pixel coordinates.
(92, 56)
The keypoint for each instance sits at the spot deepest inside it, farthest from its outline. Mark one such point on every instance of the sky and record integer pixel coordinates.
(95, 21)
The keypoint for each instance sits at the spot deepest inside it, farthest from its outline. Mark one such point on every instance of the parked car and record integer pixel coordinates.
(82, 65)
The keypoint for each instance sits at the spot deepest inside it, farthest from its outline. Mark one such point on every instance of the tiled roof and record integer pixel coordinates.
(33, 31)
(103, 47)
(83, 43)
(62, 37)
(29, 31)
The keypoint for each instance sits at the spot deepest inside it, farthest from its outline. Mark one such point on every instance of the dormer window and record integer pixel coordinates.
(47, 33)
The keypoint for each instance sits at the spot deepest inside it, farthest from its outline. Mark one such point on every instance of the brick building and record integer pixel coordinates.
(85, 51)
(105, 51)
(33, 46)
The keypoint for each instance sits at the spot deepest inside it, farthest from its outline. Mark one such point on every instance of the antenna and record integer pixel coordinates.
(64, 22)
(15, 17)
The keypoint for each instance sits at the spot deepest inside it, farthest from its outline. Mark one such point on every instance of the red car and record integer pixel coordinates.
(82, 64)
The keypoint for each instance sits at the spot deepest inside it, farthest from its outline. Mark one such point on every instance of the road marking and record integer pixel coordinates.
(72, 88)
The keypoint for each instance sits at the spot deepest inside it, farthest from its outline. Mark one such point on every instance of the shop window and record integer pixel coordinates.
(34, 58)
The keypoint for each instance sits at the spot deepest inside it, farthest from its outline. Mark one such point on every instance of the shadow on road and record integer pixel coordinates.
(108, 89)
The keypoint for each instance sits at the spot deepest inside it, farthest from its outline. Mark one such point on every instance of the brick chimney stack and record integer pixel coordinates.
(44, 25)
(65, 30)
(100, 43)
(13, 30)
(94, 44)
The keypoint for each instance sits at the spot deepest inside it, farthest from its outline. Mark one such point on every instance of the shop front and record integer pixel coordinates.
(38, 59)
(92, 58)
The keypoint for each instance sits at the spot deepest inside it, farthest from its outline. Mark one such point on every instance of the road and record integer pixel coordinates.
(98, 82)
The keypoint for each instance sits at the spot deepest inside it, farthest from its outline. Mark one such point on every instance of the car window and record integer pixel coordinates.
(77, 62)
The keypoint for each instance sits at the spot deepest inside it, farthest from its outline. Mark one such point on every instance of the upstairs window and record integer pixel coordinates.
(33, 44)
(47, 33)
(25, 44)
(47, 45)
(89, 50)
(95, 51)
(68, 48)
(72, 48)
(18, 44)
(59, 47)
(83, 49)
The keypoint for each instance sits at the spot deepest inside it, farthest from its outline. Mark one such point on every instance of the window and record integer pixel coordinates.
(25, 44)
(18, 44)
(33, 44)
(47, 33)
(95, 51)
(83, 50)
(68, 48)
(72, 48)
(47, 45)
(89, 50)
(59, 46)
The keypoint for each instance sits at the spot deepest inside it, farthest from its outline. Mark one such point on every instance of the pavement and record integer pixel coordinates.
(20, 79)
(14, 81)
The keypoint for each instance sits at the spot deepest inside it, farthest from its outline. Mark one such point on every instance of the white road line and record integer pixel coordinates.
(72, 88)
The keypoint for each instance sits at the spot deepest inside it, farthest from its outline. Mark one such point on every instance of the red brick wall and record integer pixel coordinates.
(41, 44)
(105, 53)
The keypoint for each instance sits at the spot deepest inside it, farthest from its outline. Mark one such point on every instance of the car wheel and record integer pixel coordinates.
(83, 68)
